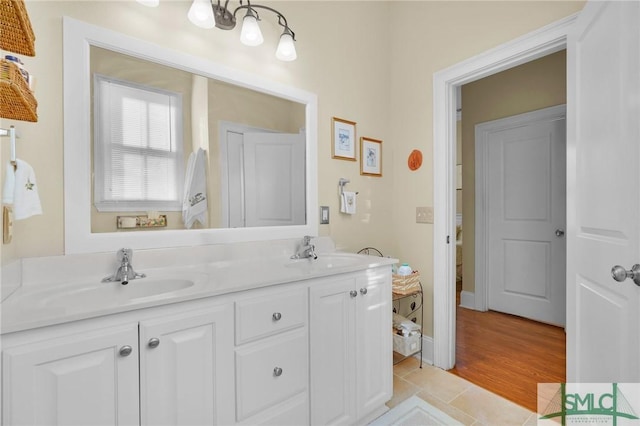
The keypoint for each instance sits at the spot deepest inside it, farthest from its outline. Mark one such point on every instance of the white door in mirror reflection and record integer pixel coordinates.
(265, 179)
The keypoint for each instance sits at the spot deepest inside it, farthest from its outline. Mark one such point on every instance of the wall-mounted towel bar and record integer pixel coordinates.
(341, 183)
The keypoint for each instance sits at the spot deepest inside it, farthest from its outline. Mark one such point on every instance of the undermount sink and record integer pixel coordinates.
(326, 261)
(103, 294)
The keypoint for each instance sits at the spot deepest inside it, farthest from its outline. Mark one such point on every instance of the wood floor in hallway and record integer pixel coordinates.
(508, 355)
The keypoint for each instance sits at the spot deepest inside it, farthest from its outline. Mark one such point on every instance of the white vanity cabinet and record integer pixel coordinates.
(272, 357)
(351, 348)
(87, 378)
(313, 351)
(185, 369)
(90, 373)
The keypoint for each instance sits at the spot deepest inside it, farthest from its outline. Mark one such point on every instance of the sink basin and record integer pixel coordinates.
(107, 294)
(327, 261)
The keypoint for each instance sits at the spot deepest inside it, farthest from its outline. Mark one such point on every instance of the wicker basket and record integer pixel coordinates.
(406, 284)
(16, 33)
(16, 100)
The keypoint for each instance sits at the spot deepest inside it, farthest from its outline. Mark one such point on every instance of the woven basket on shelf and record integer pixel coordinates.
(16, 33)
(16, 100)
(405, 284)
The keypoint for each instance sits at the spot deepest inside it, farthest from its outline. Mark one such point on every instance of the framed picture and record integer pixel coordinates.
(344, 139)
(370, 157)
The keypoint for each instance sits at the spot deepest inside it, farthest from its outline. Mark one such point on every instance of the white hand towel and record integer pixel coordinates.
(348, 202)
(194, 205)
(26, 201)
(9, 185)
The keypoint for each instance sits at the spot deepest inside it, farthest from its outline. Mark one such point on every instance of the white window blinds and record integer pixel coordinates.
(138, 151)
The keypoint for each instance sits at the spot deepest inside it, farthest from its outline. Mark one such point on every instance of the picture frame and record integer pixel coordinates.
(343, 139)
(370, 157)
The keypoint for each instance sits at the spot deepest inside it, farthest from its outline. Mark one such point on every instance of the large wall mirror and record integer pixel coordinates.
(258, 138)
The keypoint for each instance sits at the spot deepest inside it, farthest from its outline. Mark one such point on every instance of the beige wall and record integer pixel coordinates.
(428, 37)
(369, 62)
(529, 87)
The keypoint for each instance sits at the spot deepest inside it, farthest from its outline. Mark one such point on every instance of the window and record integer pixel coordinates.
(138, 150)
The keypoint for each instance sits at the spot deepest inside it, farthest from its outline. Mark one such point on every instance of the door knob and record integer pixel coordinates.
(559, 233)
(126, 350)
(154, 342)
(353, 293)
(363, 291)
(620, 274)
(277, 371)
(277, 316)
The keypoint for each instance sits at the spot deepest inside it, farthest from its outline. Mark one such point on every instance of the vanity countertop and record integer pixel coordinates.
(41, 305)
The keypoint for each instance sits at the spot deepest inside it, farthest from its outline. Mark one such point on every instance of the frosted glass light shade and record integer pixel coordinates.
(286, 48)
(201, 14)
(251, 34)
(149, 3)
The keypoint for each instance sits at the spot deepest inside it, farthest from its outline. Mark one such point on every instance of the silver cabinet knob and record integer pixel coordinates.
(363, 291)
(154, 342)
(277, 371)
(277, 316)
(620, 274)
(353, 293)
(559, 233)
(126, 350)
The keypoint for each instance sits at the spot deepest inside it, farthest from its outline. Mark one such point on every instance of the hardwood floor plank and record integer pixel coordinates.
(508, 355)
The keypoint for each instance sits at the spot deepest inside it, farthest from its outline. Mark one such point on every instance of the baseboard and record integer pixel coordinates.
(467, 300)
(427, 349)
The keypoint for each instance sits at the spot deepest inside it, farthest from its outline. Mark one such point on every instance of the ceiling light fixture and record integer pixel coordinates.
(210, 13)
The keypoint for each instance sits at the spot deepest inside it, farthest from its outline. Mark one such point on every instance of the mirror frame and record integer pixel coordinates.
(78, 37)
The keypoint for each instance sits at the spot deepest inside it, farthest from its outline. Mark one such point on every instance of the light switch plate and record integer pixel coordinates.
(324, 215)
(424, 214)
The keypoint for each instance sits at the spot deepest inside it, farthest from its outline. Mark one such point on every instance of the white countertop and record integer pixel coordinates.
(45, 304)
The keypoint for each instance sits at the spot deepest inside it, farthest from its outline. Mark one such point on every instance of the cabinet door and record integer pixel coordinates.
(82, 379)
(187, 377)
(374, 349)
(332, 333)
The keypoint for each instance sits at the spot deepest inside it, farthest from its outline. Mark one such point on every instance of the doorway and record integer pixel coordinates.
(547, 40)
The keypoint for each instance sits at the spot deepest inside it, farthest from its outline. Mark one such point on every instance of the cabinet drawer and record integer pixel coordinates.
(270, 372)
(270, 314)
(294, 412)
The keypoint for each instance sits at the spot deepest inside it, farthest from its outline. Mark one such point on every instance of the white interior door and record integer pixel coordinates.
(274, 179)
(603, 321)
(522, 211)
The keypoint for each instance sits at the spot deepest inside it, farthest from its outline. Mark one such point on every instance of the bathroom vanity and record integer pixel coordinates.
(242, 341)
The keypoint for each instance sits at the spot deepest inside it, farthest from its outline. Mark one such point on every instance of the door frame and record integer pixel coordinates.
(544, 41)
(482, 131)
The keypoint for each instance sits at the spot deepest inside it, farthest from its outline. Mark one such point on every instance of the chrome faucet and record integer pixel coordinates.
(125, 272)
(306, 250)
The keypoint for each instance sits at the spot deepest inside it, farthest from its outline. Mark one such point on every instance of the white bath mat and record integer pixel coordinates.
(414, 412)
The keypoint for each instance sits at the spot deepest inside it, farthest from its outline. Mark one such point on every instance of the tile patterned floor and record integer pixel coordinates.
(460, 399)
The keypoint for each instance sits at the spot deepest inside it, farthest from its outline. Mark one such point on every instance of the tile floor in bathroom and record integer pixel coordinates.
(460, 399)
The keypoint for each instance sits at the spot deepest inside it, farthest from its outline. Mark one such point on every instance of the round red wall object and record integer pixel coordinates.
(415, 159)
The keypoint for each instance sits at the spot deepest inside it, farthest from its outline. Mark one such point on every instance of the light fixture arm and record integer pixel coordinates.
(282, 21)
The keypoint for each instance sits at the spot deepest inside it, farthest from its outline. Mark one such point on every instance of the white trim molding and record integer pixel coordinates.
(544, 41)
(468, 300)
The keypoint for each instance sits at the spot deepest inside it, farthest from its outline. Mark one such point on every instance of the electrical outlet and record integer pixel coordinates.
(424, 214)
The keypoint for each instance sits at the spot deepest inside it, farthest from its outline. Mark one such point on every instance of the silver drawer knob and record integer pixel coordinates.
(154, 342)
(363, 291)
(277, 371)
(353, 293)
(277, 316)
(126, 350)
